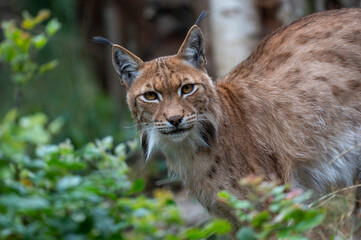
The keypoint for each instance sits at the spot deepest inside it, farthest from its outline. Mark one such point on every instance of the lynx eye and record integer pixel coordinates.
(188, 88)
(150, 96)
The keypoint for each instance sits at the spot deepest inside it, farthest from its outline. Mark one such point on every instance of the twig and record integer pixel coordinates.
(331, 194)
(344, 152)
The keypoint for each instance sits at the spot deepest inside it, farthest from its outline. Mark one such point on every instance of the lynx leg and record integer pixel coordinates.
(356, 214)
(224, 211)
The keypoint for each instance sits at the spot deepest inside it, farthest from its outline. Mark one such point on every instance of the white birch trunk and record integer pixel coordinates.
(235, 31)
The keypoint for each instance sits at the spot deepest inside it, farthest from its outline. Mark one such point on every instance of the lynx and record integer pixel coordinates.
(286, 112)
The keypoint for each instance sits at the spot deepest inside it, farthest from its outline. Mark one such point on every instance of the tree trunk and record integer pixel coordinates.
(235, 30)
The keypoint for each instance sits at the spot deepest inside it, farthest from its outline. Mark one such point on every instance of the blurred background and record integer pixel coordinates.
(84, 89)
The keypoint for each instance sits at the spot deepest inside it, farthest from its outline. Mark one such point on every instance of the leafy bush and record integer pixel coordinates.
(29, 48)
(53, 191)
(50, 191)
(20, 46)
(272, 210)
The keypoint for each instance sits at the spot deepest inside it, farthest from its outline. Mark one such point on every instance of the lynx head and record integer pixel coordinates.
(171, 98)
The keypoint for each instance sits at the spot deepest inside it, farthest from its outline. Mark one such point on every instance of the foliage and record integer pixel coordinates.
(59, 191)
(219, 227)
(16, 49)
(270, 210)
(54, 191)
(71, 90)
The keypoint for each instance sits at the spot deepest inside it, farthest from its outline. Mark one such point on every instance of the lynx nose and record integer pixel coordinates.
(175, 120)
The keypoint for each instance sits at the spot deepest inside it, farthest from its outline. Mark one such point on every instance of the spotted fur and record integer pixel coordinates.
(286, 112)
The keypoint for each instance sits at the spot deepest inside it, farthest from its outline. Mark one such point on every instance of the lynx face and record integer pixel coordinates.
(170, 97)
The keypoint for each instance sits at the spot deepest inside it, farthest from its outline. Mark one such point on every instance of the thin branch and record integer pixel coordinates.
(331, 194)
(344, 152)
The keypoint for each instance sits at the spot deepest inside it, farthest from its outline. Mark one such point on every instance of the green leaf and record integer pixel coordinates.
(302, 197)
(275, 207)
(37, 119)
(141, 212)
(311, 219)
(40, 41)
(172, 238)
(133, 144)
(289, 213)
(298, 237)
(35, 135)
(11, 116)
(32, 129)
(260, 218)
(246, 233)
(120, 150)
(48, 66)
(105, 144)
(218, 226)
(8, 27)
(36, 164)
(242, 204)
(15, 34)
(52, 27)
(7, 51)
(30, 22)
(68, 182)
(138, 186)
(23, 203)
(42, 15)
(45, 150)
(56, 125)
(279, 189)
(224, 195)
(194, 234)
(293, 213)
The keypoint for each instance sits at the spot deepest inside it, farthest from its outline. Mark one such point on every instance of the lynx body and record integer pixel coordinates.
(287, 112)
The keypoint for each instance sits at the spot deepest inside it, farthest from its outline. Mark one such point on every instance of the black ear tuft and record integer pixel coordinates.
(102, 40)
(192, 49)
(126, 64)
(203, 14)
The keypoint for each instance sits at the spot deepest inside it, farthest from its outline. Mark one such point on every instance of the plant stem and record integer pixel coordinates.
(17, 172)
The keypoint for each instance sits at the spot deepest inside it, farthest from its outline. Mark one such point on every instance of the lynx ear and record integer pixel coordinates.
(126, 64)
(192, 49)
